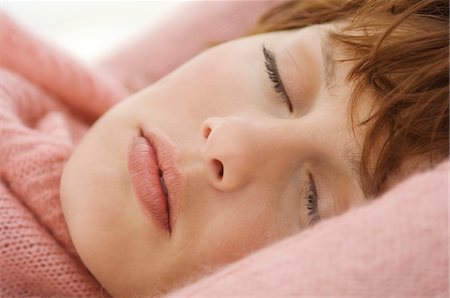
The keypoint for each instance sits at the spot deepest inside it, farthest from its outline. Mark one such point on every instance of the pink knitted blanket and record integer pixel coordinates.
(44, 97)
(396, 246)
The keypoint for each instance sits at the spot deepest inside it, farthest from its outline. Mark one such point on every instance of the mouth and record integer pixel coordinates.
(156, 180)
(163, 184)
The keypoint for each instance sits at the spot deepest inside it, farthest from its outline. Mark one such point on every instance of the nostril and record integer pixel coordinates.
(206, 132)
(218, 166)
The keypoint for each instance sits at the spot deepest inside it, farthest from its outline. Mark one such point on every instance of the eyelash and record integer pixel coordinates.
(311, 193)
(311, 202)
(274, 77)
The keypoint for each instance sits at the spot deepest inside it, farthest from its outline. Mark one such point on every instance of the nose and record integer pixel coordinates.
(232, 150)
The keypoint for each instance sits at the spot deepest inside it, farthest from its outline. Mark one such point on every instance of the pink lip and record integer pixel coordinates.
(148, 156)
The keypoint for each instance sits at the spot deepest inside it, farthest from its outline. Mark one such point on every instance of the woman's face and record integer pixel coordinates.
(242, 164)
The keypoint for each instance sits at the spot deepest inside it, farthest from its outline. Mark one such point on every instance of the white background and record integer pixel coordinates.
(87, 29)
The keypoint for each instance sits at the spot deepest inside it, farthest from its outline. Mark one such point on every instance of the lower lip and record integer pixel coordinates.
(144, 172)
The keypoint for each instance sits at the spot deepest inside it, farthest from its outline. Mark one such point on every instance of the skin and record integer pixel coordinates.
(222, 107)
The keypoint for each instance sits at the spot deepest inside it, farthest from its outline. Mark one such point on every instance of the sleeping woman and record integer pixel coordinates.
(323, 107)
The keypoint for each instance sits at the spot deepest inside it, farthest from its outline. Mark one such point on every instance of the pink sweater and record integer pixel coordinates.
(37, 135)
(396, 246)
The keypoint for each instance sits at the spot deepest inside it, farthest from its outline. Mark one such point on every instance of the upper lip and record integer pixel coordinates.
(167, 156)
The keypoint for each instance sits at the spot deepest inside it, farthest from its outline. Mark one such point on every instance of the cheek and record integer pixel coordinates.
(236, 229)
(206, 86)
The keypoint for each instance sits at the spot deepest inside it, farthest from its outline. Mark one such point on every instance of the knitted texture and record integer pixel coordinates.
(39, 87)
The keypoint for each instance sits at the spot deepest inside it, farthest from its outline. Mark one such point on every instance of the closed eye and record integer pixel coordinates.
(274, 77)
(311, 203)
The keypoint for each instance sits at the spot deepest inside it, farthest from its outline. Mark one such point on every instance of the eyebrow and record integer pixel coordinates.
(351, 160)
(329, 64)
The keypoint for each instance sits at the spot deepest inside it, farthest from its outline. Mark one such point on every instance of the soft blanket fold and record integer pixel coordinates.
(39, 87)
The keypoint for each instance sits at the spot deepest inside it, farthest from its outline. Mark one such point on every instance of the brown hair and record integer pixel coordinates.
(400, 54)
